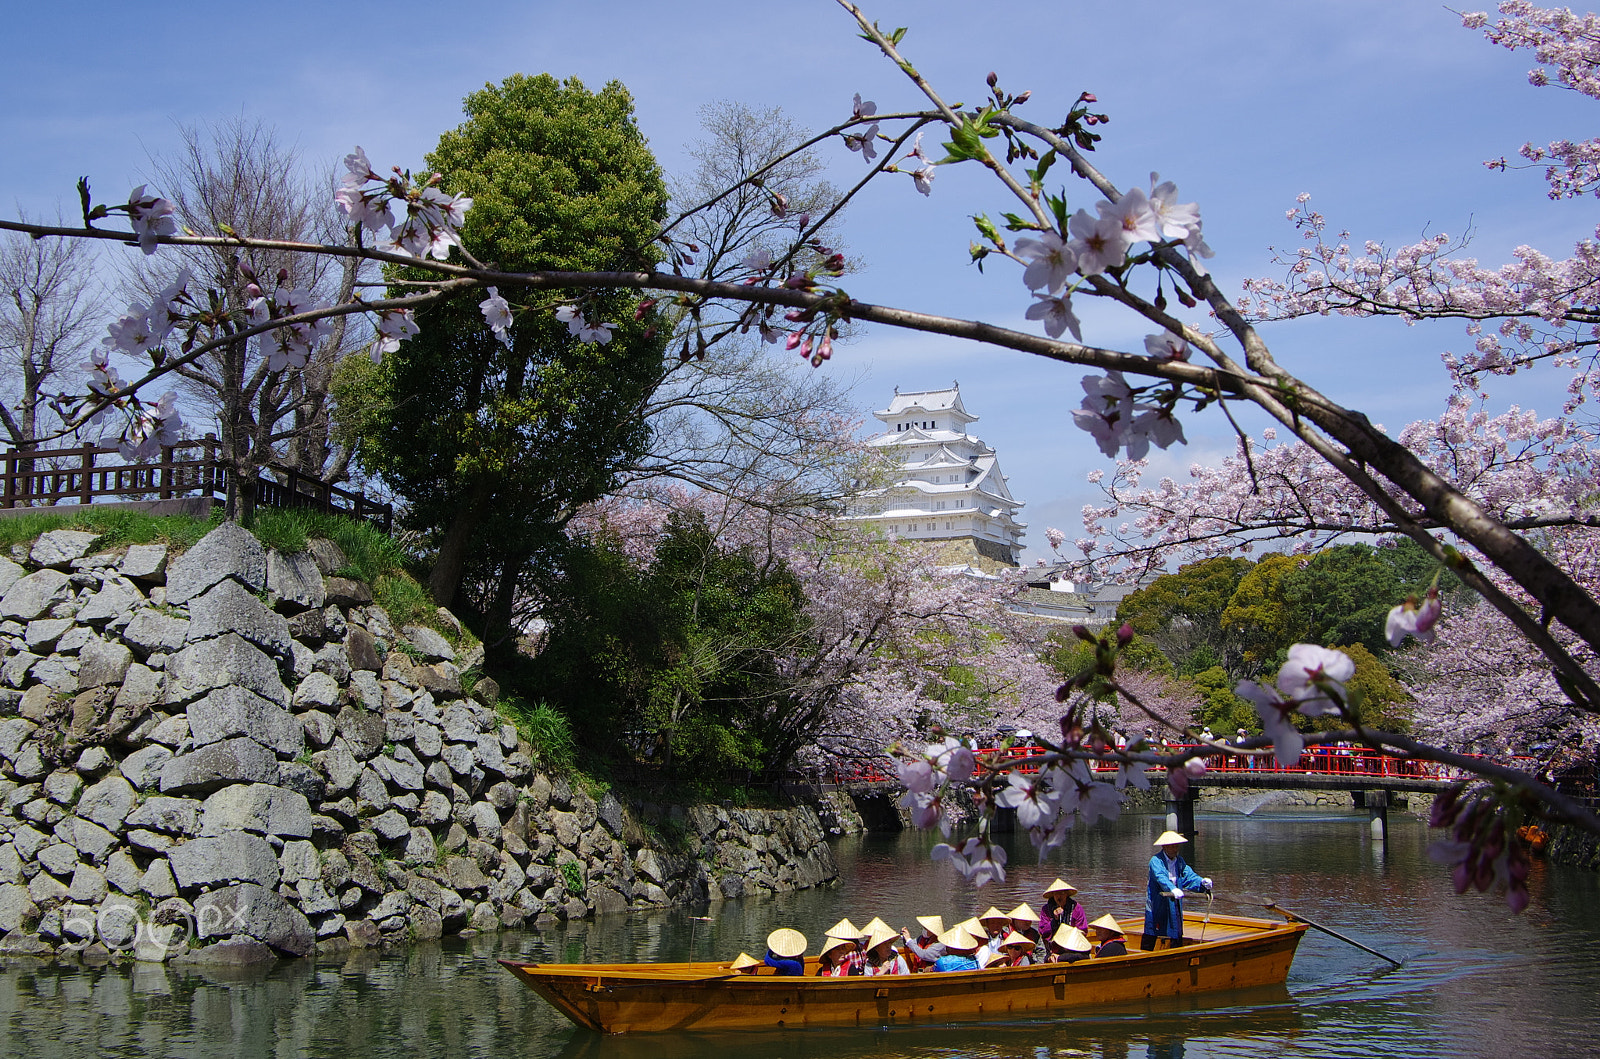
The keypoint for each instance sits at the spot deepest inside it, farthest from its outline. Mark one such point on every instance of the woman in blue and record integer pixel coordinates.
(786, 951)
(1170, 876)
(959, 949)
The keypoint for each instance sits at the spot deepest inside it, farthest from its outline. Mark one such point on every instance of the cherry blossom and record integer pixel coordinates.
(1097, 242)
(151, 217)
(581, 328)
(1050, 262)
(978, 860)
(1413, 618)
(497, 314)
(1167, 346)
(1057, 314)
(394, 327)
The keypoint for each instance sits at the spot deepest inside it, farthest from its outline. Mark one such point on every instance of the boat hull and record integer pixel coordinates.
(1237, 953)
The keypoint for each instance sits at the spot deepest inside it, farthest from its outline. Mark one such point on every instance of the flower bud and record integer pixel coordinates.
(1124, 634)
(1195, 767)
(1026, 95)
(1082, 632)
(993, 79)
(283, 276)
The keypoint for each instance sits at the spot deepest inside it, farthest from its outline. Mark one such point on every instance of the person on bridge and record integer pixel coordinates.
(1170, 876)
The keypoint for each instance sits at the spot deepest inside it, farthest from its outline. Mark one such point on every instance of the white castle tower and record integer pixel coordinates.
(949, 486)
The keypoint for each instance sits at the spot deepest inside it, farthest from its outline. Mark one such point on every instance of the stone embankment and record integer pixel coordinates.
(235, 755)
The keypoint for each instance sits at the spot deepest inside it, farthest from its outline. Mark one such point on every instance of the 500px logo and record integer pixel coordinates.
(121, 927)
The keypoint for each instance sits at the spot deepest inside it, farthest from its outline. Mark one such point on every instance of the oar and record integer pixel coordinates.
(1297, 917)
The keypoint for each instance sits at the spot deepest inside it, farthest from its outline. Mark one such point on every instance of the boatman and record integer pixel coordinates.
(1170, 876)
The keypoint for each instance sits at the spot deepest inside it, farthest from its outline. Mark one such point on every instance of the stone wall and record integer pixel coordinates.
(235, 755)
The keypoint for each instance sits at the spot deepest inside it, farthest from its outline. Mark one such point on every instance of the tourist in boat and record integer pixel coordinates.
(1061, 909)
(881, 955)
(744, 963)
(841, 950)
(1170, 877)
(925, 949)
(996, 925)
(1107, 937)
(960, 951)
(786, 950)
(1015, 950)
(1068, 945)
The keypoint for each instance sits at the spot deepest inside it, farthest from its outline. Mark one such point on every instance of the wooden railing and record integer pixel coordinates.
(45, 477)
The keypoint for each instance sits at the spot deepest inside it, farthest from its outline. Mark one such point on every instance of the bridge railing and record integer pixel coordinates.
(1317, 761)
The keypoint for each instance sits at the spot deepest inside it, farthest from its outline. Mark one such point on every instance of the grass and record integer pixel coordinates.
(545, 727)
(116, 528)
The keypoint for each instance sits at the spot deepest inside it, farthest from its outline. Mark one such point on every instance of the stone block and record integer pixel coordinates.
(318, 727)
(9, 573)
(310, 626)
(230, 550)
(158, 880)
(61, 547)
(108, 802)
(101, 663)
(62, 787)
(434, 647)
(88, 885)
(42, 634)
(228, 660)
(16, 907)
(258, 807)
(294, 583)
(90, 839)
(143, 767)
(145, 562)
(230, 607)
(93, 761)
(362, 651)
(427, 738)
(178, 816)
(115, 602)
(232, 711)
(338, 765)
(390, 826)
(488, 754)
(141, 688)
(31, 596)
(363, 730)
(58, 858)
(255, 912)
(317, 691)
(152, 632)
(343, 592)
(234, 857)
(405, 775)
(327, 555)
(237, 760)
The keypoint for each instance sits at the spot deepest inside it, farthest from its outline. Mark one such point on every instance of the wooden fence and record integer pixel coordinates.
(45, 477)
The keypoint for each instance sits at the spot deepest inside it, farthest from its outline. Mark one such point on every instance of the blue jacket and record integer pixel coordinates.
(1163, 913)
(784, 966)
(956, 963)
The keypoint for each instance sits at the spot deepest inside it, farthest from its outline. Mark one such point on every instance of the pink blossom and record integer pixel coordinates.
(1050, 262)
(497, 314)
(151, 217)
(1097, 242)
(1057, 314)
(1314, 676)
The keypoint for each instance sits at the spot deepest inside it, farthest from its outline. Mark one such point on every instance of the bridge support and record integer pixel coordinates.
(1377, 803)
(1180, 813)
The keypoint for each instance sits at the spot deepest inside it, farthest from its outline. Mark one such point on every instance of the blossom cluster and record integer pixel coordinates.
(1311, 682)
(291, 345)
(1116, 421)
(146, 427)
(429, 222)
(1483, 850)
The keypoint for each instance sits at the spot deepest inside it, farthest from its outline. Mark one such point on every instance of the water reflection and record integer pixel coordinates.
(1475, 981)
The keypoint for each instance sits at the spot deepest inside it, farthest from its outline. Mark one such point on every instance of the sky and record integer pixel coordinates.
(1381, 110)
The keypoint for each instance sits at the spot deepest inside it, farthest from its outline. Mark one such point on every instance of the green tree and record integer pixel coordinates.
(1181, 614)
(681, 661)
(1381, 701)
(1259, 617)
(1220, 708)
(1342, 596)
(494, 446)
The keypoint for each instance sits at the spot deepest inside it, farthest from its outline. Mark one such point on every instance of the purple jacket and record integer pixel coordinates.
(1052, 917)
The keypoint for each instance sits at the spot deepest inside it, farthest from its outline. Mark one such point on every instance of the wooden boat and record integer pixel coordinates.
(1234, 952)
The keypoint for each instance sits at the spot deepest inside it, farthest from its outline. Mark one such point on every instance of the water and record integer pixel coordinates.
(1476, 980)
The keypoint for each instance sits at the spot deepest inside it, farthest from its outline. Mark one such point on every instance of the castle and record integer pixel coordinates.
(948, 486)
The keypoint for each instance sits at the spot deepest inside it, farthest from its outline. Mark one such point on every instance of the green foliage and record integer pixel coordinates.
(546, 729)
(1181, 614)
(493, 447)
(1380, 700)
(1343, 594)
(676, 663)
(1258, 615)
(573, 876)
(1220, 708)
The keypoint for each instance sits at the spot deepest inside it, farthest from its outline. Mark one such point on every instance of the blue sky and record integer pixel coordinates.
(1382, 109)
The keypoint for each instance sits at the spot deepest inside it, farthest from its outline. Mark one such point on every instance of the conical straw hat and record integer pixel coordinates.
(957, 938)
(846, 929)
(933, 924)
(1070, 939)
(882, 932)
(743, 960)
(1015, 938)
(1107, 923)
(973, 927)
(787, 943)
(993, 913)
(830, 943)
(1058, 887)
(1022, 911)
(877, 924)
(1170, 838)
(993, 958)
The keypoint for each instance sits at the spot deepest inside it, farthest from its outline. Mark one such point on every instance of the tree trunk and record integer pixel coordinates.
(445, 579)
